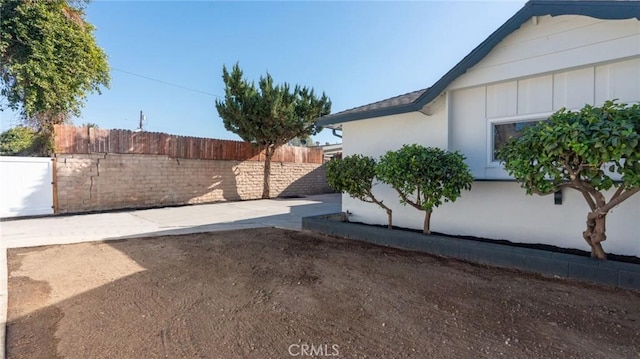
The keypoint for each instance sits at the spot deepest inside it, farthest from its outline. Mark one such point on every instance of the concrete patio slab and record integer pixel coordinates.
(286, 213)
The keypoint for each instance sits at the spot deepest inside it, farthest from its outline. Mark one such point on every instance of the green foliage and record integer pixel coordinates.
(355, 175)
(22, 141)
(49, 59)
(581, 150)
(584, 146)
(425, 177)
(269, 115)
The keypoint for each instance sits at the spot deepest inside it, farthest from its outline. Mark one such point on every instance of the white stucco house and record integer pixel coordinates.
(549, 55)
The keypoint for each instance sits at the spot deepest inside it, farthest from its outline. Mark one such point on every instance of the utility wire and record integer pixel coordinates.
(166, 83)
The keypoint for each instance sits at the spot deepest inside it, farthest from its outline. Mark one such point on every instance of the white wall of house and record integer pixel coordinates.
(549, 63)
(502, 210)
(376, 136)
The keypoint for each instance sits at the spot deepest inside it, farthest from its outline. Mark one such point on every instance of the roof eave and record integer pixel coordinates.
(363, 115)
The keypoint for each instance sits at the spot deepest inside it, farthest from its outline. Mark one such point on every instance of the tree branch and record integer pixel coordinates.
(407, 200)
(619, 199)
(590, 194)
(618, 191)
(374, 200)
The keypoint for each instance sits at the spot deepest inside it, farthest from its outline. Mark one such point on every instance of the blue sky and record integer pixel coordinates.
(356, 52)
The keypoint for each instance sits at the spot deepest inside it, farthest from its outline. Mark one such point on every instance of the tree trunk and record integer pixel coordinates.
(267, 172)
(389, 216)
(427, 223)
(595, 233)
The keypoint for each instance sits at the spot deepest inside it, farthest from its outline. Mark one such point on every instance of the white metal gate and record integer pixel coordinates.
(26, 187)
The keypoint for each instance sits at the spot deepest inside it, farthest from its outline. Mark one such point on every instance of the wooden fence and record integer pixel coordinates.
(79, 140)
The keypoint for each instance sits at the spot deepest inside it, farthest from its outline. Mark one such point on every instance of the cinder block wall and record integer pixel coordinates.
(89, 182)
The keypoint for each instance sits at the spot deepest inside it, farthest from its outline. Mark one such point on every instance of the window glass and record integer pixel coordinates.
(503, 132)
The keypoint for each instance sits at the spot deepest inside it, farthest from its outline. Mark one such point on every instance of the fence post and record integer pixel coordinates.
(54, 183)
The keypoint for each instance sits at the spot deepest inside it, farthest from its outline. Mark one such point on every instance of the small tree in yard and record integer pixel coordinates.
(581, 150)
(355, 175)
(269, 115)
(425, 177)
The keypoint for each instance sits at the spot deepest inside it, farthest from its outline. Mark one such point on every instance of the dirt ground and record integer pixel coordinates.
(270, 293)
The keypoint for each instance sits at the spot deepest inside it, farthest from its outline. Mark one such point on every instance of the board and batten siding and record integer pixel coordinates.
(474, 110)
(549, 63)
(547, 44)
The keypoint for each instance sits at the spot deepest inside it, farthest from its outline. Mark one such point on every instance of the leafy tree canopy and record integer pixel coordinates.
(355, 175)
(21, 141)
(269, 115)
(425, 177)
(49, 59)
(582, 150)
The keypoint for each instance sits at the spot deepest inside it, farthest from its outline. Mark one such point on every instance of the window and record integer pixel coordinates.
(504, 131)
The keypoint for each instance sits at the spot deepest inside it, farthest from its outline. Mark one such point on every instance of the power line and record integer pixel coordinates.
(166, 83)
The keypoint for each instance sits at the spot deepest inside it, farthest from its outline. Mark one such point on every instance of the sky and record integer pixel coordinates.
(166, 57)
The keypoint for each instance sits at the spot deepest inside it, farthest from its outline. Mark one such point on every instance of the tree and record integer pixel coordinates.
(355, 175)
(581, 150)
(269, 115)
(49, 60)
(425, 177)
(22, 141)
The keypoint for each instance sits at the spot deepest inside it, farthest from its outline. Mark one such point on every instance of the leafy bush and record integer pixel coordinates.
(581, 150)
(19, 141)
(425, 177)
(355, 175)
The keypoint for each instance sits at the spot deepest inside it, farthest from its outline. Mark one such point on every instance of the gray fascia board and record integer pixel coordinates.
(610, 10)
(362, 115)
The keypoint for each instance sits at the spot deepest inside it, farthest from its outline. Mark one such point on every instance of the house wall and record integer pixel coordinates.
(555, 43)
(111, 181)
(376, 136)
(502, 210)
(564, 61)
(475, 109)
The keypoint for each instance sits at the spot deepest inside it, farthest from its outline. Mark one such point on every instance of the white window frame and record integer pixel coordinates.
(491, 163)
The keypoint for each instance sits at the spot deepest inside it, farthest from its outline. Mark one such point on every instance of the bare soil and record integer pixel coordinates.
(270, 293)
